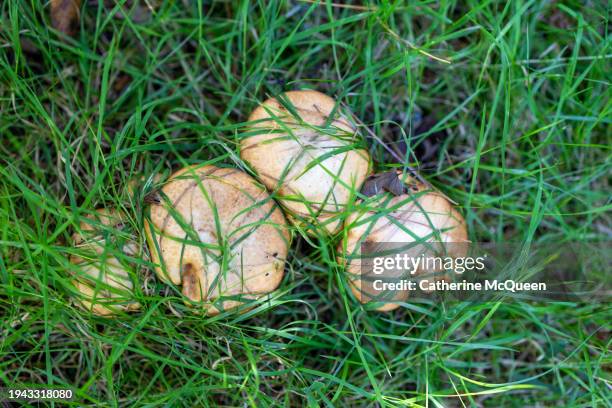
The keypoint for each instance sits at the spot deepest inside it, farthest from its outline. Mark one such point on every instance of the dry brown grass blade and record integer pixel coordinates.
(65, 15)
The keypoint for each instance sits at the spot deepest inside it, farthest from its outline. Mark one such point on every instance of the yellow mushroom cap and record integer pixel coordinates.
(102, 280)
(217, 233)
(301, 149)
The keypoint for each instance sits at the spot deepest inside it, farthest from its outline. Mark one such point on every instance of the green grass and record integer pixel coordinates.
(519, 91)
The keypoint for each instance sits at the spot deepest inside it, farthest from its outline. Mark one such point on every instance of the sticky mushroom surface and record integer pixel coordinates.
(419, 215)
(217, 233)
(306, 149)
(101, 272)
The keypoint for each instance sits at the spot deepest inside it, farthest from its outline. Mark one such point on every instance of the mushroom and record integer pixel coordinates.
(218, 234)
(102, 272)
(414, 214)
(306, 149)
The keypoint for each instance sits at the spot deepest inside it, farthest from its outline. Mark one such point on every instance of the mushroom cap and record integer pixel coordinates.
(102, 280)
(217, 233)
(426, 216)
(305, 156)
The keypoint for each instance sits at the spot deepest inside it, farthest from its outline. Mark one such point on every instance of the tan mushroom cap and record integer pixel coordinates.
(306, 160)
(217, 233)
(428, 216)
(103, 282)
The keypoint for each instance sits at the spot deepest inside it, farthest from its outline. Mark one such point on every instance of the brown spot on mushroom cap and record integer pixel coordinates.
(425, 213)
(191, 283)
(305, 159)
(102, 281)
(213, 232)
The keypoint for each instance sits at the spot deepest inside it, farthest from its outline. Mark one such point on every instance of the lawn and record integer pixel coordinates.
(503, 106)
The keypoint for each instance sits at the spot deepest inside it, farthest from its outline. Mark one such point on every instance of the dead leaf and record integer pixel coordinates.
(65, 15)
(391, 181)
(395, 186)
(152, 198)
(378, 183)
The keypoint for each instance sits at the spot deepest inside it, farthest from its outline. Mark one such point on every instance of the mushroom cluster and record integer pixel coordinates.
(219, 235)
